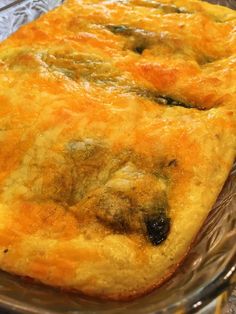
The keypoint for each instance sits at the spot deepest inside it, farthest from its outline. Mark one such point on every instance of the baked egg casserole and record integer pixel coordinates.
(118, 131)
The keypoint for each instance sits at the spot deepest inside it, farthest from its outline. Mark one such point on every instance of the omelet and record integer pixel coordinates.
(118, 131)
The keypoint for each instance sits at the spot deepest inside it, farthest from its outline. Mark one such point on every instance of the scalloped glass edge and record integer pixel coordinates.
(19, 12)
(217, 239)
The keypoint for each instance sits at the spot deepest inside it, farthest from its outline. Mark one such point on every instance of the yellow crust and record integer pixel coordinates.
(79, 117)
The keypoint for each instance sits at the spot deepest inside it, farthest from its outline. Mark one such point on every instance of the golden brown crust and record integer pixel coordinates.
(108, 119)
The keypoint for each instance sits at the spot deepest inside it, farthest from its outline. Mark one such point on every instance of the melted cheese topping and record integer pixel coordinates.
(117, 130)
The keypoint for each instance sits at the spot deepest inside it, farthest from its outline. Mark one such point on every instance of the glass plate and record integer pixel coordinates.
(14, 14)
(209, 270)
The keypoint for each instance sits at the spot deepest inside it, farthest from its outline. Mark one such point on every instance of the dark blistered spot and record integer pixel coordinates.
(181, 10)
(166, 100)
(172, 163)
(163, 99)
(169, 101)
(170, 8)
(138, 39)
(120, 29)
(165, 7)
(5, 251)
(158, 228)
(204, 60)
(139, 49)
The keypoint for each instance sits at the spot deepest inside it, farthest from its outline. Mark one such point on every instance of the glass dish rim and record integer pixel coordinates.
(193, 301)
(11, 5)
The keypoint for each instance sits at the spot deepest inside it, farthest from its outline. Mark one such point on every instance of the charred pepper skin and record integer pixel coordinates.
(158, 228)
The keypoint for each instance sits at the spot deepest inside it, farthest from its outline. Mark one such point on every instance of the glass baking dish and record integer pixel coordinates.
(207, 274)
